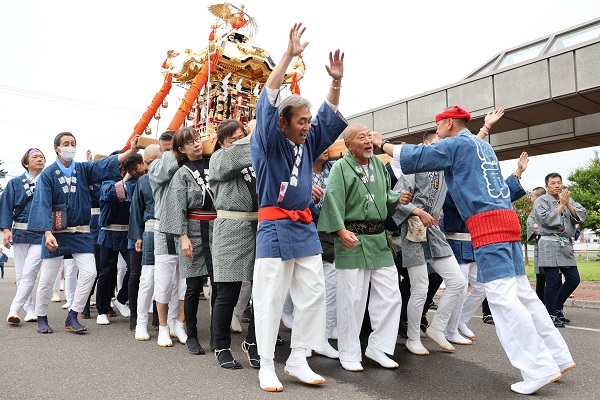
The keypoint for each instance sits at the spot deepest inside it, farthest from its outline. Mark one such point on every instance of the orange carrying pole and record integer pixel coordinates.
(192, 94)
(147, 116)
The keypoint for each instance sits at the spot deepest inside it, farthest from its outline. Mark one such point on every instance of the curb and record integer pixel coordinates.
(583, 304)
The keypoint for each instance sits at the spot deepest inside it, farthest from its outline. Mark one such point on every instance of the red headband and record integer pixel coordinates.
(456, 112)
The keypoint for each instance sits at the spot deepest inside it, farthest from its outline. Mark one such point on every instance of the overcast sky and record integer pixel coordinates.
(92, 68)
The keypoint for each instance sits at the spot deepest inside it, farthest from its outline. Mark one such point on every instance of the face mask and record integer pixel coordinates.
(67, 153)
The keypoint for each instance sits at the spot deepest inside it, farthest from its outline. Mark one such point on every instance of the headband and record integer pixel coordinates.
(34, 150)
(455, 112)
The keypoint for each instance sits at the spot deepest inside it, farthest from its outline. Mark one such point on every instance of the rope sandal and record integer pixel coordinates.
(251, 351)
(226, 360)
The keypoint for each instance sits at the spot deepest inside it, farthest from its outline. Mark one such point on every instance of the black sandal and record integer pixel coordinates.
(251, 351)
(226, 360)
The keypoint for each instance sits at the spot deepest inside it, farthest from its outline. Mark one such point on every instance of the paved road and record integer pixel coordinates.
(108, 363)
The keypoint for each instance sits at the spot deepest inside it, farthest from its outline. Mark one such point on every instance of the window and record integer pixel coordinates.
(522, 54)
(575, 37)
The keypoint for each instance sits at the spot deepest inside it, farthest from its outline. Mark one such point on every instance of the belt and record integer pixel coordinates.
(365, 227)
(201, 215)
(115, 228)
(20, 225)
(149, 225)
(95, 211)
(273, 213)
(463, 237)
(495, 226)
(238, 215)
(75, 229)
(554, 238)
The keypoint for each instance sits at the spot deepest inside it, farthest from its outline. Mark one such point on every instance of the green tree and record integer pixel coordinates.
(585, 189)
(523, 207)
(2, 175)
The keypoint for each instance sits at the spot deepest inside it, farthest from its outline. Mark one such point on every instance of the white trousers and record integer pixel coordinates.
(303, 277)
(27, 265)
(467, 303)
(244, 297)
(331, 277)
(385, 303)
(167, 282)
(70, 271)
(49, 270)
(448, 269)
(121, 271)
(145, 293)
(531, 341)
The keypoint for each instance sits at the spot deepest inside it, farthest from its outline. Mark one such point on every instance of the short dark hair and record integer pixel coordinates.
(180, 138)
(25, 158)
(61, 135)
(552, 175)
(132, 162)
(166, 136)
(539, 191)
(227, 129)
(428, 136)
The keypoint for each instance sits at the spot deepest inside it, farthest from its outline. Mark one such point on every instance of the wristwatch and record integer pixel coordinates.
(383, 142)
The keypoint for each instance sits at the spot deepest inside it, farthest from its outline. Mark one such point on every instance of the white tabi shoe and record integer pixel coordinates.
(30, 317)
(171, 325)
(351, 366)
(567, 367)
(303, 373)
(530, 387)
(123, 309)
(14, 319)
(268, 380)
(67, 305)
(464, 330)
(236, 325)
(457, 338)
(380, 358)
(309, 353)
(328, 351)
(179, 332)
(416, 347)
(164, 339)
(438, 337)
(102, 319)
(56, 297)
(141, 332)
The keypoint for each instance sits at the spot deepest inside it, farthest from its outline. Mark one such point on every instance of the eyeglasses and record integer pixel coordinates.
(192, 141)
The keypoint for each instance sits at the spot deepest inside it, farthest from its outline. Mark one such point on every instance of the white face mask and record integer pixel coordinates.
(67, 153)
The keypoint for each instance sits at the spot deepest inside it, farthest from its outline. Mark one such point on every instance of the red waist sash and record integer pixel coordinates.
(272, 213)
(494, 226)
(202, 215)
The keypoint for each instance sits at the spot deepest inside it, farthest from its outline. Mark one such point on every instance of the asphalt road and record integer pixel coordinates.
(107, 362)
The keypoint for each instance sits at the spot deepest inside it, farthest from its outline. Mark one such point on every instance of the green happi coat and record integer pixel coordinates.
(347, 199)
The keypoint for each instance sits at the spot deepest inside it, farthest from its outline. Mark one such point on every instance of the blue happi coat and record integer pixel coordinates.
(142, 210)
(113, 210)
(15, 206)
(52, 189)
(273, 157)
(475, 180)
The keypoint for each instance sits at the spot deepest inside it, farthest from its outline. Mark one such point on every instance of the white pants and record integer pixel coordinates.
(331, 278)
(531, 341)
(121, 271)
(70, 270)
(27, 265)
(303, 277)
(49, 270)
(145, 293)
(245, 293)
(385, 304)
(467, 303)
(448, 269)
(167, 283)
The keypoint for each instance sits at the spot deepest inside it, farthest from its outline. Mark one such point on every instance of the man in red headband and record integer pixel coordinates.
(526, 332)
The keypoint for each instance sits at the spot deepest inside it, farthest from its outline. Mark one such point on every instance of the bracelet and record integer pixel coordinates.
(339, 80)
(484, 131)
(383, 143)
(488, 128)
(336, 87)
(517, 176)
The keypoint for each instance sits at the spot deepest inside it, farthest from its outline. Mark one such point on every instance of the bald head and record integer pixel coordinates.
(151, 153)
(351, 131)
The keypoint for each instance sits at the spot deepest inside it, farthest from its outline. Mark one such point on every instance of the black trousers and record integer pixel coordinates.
(227, 298)
(194, 287)
(133, 287)
(107, 279)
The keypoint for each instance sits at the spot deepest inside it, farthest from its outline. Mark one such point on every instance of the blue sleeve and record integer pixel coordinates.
(108, 192)
(266, 126)
(516, 190)
(102, 170)
(136, 215)
(419, 158)
(130, 185)
(7, 206)
(41, 219)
